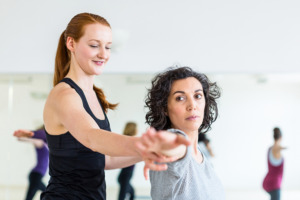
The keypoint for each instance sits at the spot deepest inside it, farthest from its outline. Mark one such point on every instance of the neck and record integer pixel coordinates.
(194, 144)
(83, 80)
(277, 142)
(193, 137)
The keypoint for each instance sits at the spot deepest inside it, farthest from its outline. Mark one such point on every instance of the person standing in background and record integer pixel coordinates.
(204, 145)
(127, 172)
(273, 179)
(38, 139)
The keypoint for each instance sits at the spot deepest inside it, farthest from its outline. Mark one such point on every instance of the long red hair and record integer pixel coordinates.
(75, 29)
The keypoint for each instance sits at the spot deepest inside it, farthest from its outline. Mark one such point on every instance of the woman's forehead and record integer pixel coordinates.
(189, 83)
(97, 32)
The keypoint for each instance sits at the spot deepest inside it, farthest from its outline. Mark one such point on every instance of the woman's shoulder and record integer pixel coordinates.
(61, 102)
(61, 91)
(62, 94)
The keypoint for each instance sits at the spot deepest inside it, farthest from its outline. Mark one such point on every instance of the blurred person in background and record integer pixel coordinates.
(126, 173)
(204, 145)
(38, 139)
(273, 179)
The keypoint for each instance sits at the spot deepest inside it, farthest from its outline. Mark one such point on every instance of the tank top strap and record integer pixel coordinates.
(80, 93)
(84, 100)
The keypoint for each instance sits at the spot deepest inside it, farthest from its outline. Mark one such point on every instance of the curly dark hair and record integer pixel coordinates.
(157, 98)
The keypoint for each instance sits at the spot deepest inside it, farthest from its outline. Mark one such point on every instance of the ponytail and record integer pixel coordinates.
(62, 60)
(105, 104)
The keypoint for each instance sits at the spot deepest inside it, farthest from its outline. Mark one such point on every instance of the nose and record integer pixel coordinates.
(103, 53)
(191, 104)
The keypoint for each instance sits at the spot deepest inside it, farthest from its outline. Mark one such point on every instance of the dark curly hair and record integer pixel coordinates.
(157, 98)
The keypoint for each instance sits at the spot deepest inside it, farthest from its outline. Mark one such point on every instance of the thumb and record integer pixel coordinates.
(182, 140)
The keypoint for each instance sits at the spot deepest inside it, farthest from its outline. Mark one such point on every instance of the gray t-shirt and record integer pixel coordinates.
(186, 179)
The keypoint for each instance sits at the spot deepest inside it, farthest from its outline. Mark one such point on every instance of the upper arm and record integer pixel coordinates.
(64, 112)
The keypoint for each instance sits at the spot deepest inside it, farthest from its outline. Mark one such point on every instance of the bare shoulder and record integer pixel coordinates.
(60, 99)
(276, 149)
(60, 94)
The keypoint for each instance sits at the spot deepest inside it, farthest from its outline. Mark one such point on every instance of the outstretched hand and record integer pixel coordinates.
(23, 133)
(154, 145)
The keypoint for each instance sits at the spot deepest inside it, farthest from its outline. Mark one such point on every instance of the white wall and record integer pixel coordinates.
(249, 109)
(214, 36)
(217, 37)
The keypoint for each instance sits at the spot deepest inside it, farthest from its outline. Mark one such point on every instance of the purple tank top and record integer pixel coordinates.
(273, 178)
(42, 153)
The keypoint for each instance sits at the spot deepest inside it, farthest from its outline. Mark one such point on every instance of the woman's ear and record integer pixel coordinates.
(70, 44)
(166, 112)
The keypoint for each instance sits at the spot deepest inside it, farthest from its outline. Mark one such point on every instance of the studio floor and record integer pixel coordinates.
(17, 193)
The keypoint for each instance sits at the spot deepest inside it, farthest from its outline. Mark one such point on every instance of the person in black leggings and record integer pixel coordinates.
(127, 172)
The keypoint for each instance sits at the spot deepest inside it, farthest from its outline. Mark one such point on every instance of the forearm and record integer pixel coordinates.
(23, 133)
(178, 152)
(112, 144)
(38, 143)
(120, 162)
(39, 134)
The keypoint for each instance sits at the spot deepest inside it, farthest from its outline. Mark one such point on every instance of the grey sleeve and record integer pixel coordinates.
(177, 167)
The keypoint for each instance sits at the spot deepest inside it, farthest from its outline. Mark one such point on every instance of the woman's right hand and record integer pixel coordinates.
(23, 133)
(154, 143)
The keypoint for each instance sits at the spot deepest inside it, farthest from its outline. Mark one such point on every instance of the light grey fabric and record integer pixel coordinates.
(186, 179)
(274, 161)
(204, 149)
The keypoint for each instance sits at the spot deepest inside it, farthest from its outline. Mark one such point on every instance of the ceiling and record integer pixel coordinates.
(217, 36)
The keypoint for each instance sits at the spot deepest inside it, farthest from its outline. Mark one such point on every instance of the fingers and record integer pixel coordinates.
(154, 166)
(150, 164)
(18, 133)
(146, 154)
(148, 139)
(169, 137)
(23, 133)
(146, 170)
(182, 140)
(15, 133)
(152, 144)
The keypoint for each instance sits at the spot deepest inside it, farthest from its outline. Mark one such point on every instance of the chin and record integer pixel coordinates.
(99, 71)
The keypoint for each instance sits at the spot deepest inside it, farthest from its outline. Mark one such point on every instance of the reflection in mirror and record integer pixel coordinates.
(249, 107)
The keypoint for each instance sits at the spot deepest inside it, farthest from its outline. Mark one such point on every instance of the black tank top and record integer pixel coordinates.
(76, 172)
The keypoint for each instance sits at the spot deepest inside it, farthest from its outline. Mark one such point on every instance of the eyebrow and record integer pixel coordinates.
(99, 41)
(182, 92)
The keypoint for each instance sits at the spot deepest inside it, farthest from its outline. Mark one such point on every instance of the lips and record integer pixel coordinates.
(193, 117)
(98, 62)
